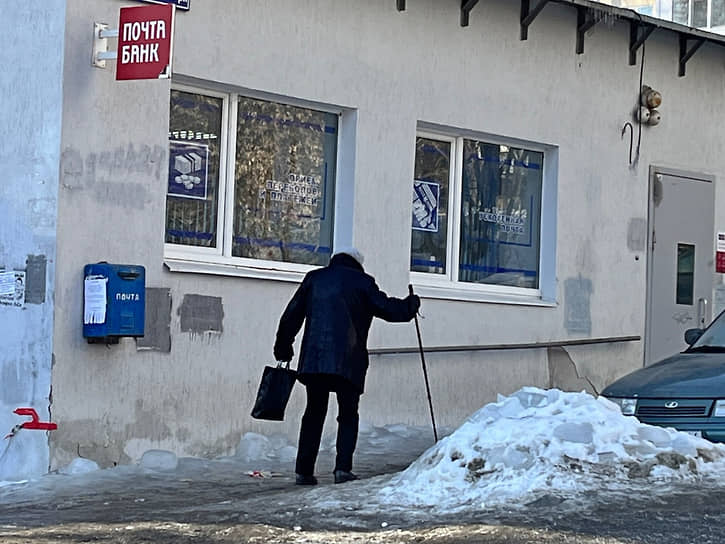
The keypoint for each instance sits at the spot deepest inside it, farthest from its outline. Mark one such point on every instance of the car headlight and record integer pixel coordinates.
(719, 409)
(629, 406)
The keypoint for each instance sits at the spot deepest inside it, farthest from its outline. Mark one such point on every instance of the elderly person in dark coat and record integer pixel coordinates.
(337, 304)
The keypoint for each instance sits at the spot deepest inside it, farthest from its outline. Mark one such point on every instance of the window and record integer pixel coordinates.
(699, 13)
(685, 288)
(250, 179)
(477, 214)
(717, 13)
(195, 129)
(433, 168)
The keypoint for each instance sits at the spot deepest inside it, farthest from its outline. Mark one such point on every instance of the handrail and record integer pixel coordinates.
(526, 345)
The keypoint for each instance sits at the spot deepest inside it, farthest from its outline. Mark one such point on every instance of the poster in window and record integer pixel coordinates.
(426, 196)
(188, 169)
(304, 193)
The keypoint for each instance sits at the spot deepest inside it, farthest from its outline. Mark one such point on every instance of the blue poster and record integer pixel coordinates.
(188, 169)
(426, 195)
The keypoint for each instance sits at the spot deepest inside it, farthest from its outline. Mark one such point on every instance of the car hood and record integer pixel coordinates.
(694, 375)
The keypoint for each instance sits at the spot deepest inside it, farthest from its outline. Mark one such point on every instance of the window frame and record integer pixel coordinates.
(448, 286)
(219, 260)
(442, 280)
(198, 251)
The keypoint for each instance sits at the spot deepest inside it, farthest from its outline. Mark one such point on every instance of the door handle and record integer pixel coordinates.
(701, 312)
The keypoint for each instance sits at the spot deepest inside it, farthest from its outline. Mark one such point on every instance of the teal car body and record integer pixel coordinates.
(685, 391)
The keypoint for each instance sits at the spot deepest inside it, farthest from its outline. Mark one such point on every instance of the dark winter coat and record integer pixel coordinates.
(337, 304)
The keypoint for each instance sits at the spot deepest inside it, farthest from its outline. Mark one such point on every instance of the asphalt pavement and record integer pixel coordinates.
(218, 504)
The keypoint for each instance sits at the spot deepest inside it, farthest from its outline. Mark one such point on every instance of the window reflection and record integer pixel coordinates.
(699, 13)
(681, 11)
(717, 13)
(191, 204)
(500, 215)
(284, 182)
(685, 274)
(430, 205)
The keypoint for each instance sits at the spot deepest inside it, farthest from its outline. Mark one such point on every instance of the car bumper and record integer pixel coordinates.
(690, 415)
(714, 431)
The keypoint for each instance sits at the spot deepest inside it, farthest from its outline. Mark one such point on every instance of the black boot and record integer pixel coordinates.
(304, 479)
(342, 476)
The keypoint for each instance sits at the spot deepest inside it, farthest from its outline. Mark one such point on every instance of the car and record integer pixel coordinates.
(685, 391)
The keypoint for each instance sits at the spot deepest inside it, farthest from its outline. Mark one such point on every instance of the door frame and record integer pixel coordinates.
(654, 171)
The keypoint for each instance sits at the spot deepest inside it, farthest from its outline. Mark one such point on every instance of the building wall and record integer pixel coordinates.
(31, 53)
(394, 70)
(113, 167)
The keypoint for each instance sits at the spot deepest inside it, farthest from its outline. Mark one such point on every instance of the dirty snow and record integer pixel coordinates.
(530, 444)
(547, 441)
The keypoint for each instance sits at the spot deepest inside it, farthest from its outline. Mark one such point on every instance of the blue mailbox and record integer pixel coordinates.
(114, 298)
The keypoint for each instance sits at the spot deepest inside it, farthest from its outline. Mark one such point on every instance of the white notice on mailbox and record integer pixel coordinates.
(94, 300)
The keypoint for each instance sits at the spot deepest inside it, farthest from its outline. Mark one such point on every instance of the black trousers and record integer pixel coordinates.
(313, 420)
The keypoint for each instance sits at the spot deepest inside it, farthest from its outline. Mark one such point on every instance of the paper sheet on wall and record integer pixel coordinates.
(7, 283)
(12, 288)
(720, 241)
(94, 300)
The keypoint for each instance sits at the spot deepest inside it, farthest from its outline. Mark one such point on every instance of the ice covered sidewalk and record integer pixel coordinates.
(534, 443)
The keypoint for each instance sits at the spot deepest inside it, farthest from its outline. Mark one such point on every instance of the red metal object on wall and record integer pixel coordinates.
(34, 423)
(720, 262)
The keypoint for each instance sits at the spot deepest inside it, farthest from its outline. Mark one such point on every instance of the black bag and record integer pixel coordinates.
(274, 392)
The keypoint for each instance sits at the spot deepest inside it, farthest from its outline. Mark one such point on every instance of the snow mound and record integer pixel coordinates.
(546, 441)
(159, 460)
(79, 465)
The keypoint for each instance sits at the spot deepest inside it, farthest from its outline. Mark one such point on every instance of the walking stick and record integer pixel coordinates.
(425, 372)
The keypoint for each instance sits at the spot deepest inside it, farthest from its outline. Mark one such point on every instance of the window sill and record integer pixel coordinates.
(477, 295)
(219, 268)
(235, 270)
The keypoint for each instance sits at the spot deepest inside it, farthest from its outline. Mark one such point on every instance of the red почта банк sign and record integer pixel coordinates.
(144, 42)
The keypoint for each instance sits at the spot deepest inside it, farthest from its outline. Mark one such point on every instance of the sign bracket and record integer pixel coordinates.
(101, 34)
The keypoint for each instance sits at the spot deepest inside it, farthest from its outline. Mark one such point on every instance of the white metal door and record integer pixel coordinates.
(681, 260)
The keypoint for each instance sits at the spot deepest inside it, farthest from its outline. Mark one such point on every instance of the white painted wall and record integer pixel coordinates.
(395, 69)
(31, 53)
(111, 198)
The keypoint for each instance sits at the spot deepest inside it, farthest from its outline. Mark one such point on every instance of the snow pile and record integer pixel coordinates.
(159, 460)
(538, 441)
(79, 465)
